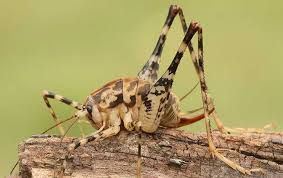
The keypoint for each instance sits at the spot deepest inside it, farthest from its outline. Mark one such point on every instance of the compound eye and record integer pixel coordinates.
(89, 109)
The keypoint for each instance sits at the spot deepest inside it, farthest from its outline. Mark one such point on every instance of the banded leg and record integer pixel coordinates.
(218, 122)
(97, 136)
(154, 103)
(49, 95)
(206, 100)
(150, 69)
(113, 129)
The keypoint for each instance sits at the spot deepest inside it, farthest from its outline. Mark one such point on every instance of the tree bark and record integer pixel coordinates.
(166, 153)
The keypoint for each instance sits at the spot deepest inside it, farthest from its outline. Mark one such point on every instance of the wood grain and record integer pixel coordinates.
(166, 153)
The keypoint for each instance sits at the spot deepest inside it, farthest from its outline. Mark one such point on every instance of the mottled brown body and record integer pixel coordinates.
(127, 94)
(146, 102)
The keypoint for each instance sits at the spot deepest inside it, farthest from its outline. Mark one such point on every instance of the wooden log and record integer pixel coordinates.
(166, 153)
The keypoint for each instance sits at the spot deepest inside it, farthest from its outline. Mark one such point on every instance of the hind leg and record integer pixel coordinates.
(206, 100)
(150, 69)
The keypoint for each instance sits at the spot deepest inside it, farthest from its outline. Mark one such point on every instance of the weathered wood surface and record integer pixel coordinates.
(161, 151)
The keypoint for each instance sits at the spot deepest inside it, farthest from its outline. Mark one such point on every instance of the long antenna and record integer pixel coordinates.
(189, 92)
(69, 129)
(58, 124)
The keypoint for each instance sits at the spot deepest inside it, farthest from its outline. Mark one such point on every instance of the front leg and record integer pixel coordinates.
(97, 136)
(112, 125)
(113, 128)
(50, 95)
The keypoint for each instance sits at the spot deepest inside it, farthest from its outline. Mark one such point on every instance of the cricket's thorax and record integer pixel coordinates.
(125, 91)
(123, 96)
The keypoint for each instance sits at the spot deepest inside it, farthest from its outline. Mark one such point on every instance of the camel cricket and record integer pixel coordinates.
(146, 102)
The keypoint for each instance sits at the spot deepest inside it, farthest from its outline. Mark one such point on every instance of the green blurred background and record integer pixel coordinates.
(73, 47)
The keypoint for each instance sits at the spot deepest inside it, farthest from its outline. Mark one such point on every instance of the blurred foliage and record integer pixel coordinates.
(73, 47)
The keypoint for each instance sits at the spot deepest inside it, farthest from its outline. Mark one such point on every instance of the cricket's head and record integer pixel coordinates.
(93, 114)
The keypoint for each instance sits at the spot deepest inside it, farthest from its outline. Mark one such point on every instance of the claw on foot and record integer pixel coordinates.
(231, 163)
(215, 153)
